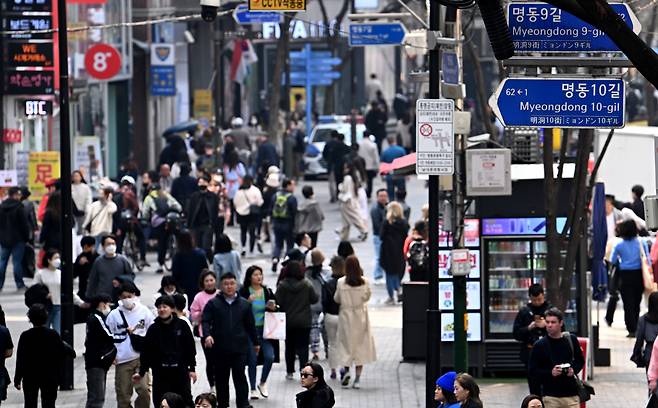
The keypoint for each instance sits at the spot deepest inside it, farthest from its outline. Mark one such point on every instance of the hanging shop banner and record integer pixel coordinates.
(277, 5)
(28, 54)
(29, 82)
(87, 156)
(27, 23)
(202, 104)
(8, 178)
(42, 167)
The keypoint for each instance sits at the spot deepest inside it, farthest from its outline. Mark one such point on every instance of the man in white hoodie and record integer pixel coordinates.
(130, 319)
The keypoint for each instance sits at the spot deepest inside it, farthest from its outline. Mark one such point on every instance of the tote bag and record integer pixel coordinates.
(275, 326)
(647, 274)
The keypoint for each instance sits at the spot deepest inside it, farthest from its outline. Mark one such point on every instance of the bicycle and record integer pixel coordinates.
(130, 241)
(173, 225)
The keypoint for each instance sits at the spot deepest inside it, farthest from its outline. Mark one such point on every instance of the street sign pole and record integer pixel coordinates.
(67, 224)
(309, 88)
(433, 314)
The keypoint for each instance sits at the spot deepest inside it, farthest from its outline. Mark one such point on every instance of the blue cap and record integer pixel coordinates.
(447, 381)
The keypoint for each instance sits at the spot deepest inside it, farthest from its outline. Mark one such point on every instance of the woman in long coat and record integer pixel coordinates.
(391, 257)
(356, 345)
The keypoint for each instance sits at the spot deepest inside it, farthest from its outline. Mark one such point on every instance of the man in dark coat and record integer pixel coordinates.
(228, 323)
(530, 326)
(335, 152)
(184, 185)
(169, 351)
(202, 215)
(100, 351)
(375, 122)
(266, 156)
(14, 233)
(318, 394)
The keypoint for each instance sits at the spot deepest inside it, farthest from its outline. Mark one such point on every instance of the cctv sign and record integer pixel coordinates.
(277, 5)
(38, 108)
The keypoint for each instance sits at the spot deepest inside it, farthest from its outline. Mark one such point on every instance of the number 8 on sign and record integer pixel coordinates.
(102, 61)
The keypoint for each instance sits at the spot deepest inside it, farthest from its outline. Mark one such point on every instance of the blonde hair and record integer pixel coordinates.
(394, 212)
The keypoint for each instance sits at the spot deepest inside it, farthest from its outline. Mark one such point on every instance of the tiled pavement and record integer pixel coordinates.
(387, 383)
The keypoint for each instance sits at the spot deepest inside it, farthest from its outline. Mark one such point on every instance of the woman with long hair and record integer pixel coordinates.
(647, 330)
(356, 344)
(295, 295)
(391, 256)
(628, 255)
(348, 195)
(234, 171)
(226, 259)
(262, 300)
(467, 391)
(81, 195)
(444, 393)
(208, 286)
(188, 263)
(51, 228)
(331, 309)
(248, 201)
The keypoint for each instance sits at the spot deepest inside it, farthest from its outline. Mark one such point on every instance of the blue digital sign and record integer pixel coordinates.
(376, 34)
(518, 226)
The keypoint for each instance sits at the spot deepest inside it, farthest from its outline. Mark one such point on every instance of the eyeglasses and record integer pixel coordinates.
(306, 375)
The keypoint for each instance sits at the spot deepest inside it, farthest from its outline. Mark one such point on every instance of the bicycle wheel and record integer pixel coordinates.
(171, 250)
(133, 251)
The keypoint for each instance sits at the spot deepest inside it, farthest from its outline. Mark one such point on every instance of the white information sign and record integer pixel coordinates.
(435, 140)
(8, 178)
(488, 172)
(446, 296)
(473, 330)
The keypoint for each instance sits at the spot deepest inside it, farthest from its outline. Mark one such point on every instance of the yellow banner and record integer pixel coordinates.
(277, 5)
(41, 168)
(202, 104)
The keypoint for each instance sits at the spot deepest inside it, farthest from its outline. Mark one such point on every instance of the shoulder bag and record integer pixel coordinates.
(585, 391)
(136, 341)
(253, 208)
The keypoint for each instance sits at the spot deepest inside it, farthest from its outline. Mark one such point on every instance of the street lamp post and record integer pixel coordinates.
(66, 220)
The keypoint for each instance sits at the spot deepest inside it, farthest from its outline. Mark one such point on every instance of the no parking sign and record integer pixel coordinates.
(435, 147)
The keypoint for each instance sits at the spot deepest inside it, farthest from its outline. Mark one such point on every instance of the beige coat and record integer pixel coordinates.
(356, 344)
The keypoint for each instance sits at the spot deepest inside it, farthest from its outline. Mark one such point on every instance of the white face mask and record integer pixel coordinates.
(106, 310)
(111, 249)
(129, 303)
(56, 263)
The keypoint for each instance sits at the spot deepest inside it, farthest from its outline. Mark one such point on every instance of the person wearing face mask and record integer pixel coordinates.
(128, 324)
(99, 351)
(168, 286)
(51, 277)
(107, 268)
(202, 215)
(170, 353)
(208, 286)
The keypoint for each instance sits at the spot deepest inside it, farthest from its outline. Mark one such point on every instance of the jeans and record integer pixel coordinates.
(281, 236)
(317, 331)
(268, 359)
(225, 365)
(296, 346)
(16, 253)
(392, 283)
(394, 183)
(55, 318)
(96, 381)
(379, 272)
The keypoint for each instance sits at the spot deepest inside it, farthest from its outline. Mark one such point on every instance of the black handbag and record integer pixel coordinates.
(585, 390)
(136, 341)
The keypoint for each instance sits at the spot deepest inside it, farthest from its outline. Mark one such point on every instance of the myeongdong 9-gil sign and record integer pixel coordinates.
(560, 102)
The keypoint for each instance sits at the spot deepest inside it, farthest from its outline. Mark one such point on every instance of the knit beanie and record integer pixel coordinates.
(447, 381)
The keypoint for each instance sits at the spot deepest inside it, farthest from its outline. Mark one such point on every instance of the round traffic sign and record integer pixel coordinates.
(102, 61)
(426, 129)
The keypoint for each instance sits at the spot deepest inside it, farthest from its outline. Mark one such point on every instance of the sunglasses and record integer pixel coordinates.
(306, 375)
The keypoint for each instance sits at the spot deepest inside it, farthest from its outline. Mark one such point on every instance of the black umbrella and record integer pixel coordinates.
(190, 127)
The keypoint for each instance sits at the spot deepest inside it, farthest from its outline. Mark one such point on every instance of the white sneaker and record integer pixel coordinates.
(255, 395)
(262, 388)
(389, 302)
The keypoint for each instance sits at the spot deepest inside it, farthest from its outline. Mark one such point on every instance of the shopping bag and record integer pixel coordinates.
(275, 326)
(647, 273)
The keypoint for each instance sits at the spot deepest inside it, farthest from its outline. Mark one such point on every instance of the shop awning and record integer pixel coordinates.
(404, 165)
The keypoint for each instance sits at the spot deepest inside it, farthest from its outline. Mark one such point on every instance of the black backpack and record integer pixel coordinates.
(418, 258)
(161, 207)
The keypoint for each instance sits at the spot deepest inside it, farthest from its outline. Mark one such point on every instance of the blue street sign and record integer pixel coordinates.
(314, 54)
(316, 61)
(541, 27)
(163, 80)
(362, 34)
(450, 67)
(312, 75)
(312, 82)
(242, 15)
(314, 68)
(560, 102)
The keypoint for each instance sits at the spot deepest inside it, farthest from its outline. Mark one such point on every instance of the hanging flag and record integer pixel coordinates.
(243, 56)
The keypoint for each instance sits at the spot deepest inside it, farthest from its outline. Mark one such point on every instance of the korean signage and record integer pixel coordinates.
(26, 23)
(446, 296)
(87, 156)
(12, 135)
(488, 172)
(560, 102)
(17, 6)
(518, 226)
(444, 264)
(473, 325)
(471, 234)
(163, 70)
(8, 178)
(435, 147)
(202, 103)
(29, 82)
(42, 167)
(277, 5)
(28, 54)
